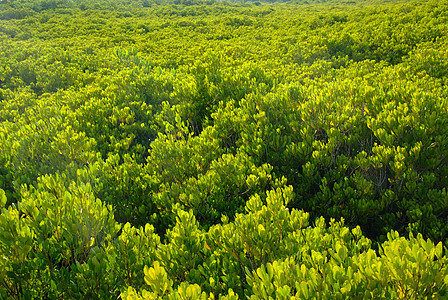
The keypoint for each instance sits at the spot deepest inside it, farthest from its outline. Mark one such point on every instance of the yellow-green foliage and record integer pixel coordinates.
(190, 149)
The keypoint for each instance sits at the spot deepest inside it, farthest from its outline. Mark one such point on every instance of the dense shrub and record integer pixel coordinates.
(203, 150)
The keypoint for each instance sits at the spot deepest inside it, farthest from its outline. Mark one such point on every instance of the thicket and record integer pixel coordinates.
(202, 150)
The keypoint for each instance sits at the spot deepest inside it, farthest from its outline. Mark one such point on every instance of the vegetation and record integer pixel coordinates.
(197, 149)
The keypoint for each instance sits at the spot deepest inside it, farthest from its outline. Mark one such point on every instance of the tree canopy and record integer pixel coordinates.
(193, 149)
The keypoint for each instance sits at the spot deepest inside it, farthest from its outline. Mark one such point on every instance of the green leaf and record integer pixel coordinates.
(2, 199)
